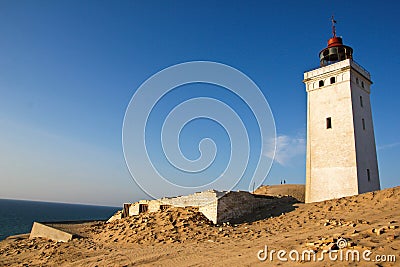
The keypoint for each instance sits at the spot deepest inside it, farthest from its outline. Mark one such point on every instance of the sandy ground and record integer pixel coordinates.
(184, 237)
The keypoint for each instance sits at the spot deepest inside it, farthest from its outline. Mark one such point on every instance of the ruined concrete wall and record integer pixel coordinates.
(134, 209)
(195, 200)
(217, 206)
(42, 230)
(154, 205)
(236, 204)
(116, 216)
(210, 211)
(206, 201)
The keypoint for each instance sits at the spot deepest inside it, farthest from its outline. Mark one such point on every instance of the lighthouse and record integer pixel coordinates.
(341, 152)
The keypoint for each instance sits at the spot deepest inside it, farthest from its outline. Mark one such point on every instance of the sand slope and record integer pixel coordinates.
(184, 237)
(294, 190)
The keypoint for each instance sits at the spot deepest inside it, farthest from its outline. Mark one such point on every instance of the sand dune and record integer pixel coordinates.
(184, 237)
(293, 190)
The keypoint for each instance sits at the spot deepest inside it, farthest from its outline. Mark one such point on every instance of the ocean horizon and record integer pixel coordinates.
(17, 216)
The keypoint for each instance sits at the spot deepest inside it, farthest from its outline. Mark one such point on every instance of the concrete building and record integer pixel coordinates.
(341, 153)
(217, 206)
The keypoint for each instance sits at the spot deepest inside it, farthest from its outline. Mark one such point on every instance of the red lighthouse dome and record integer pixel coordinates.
(335, 51)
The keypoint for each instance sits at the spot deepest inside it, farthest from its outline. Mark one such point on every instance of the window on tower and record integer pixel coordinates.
(333, 80)
(361, 101)
(328, 123)
(362, 84)
(321, 83)
(368, 175)
(357, 81)
(363, 124)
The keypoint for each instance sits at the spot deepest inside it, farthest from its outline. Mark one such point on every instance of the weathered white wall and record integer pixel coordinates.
(195, 200)
(334, 167)
(153, 205)
(365, 139)
(210, 211)
(206, 201)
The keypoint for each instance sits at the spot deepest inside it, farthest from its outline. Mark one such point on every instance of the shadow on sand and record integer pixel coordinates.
(278, 206)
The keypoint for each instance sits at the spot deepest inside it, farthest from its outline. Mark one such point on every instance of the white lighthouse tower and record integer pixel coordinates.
(341, 153)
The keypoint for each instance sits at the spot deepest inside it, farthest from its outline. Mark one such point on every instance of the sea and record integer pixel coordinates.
(17, 216)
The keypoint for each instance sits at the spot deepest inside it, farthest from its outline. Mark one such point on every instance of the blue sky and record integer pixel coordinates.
(68, 70)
